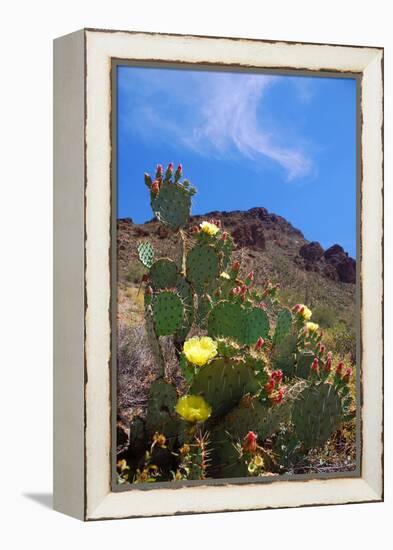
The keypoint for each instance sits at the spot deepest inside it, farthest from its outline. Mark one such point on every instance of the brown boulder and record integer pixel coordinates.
(347, 270)
(250, 235)
(312, 252)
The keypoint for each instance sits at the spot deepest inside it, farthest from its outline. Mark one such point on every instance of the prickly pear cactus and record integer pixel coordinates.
(316, 414)
(202, 266)
(261, 371)
(163, 273)
(172, 204)
(168, 313)
(223, 383)
(146, 254)
(232, 320)
(283, 326)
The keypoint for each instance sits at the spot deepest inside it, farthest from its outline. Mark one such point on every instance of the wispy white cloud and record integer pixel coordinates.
(215, 114)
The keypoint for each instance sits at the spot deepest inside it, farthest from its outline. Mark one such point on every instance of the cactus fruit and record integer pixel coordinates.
(172, 204)
(283, 326)
(202, 266)
(146, 254)
(168, 313)
(163, 273)
(223, 383)
(232, 320)
(316, 414)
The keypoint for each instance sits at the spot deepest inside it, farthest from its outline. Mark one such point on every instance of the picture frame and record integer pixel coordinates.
(84, 173)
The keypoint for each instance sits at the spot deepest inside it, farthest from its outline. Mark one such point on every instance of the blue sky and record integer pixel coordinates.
(282, 142)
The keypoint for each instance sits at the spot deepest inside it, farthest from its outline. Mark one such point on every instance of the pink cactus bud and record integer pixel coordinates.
(259, 343)
(250, 442)
(236, 266)
(328, 364)
(195, 229)
(250, 276)
(159, 170)
(297, 308)
(330, 355)
(155, 187)
(315, 365)
(225, 236)
(179, 169)
(347, 375)
(340, 368)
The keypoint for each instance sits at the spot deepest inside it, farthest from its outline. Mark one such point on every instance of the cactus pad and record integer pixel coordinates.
(232, 320)
(284, 321)
(202, 265)
(168, 313)
(283, 356)
(146, 254)
(160, 409)
(316, 414)
(257, 417)
(223, 383)
(163, 273)
(183, 289)
(303, 364)
(172, 205)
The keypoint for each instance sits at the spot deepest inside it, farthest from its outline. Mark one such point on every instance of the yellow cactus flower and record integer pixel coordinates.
(193, 408)
(303, 311)
(209, 228)
(199, 351)
(224, 275)
(312, 327)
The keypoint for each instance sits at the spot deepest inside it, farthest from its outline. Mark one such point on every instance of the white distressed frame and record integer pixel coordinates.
(94, 499)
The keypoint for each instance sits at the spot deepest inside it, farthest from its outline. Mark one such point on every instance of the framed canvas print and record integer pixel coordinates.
(218, 274)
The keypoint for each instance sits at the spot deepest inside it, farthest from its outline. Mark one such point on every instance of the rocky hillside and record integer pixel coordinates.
(266, 243)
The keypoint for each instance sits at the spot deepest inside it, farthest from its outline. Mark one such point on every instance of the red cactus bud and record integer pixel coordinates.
(170, 167)
(259, 343)
(145, 277)
(348, 374)
(269, 387)
(250, 442)
(328, 364)
(340, 368)
(155, 187)
(149, 291)
(236, 266)
(330, 355)
(297, 308)
(250, 276)
(277, 376)
(195, 229)
(315, 365)
(179, 169)
(262, 305)
(279, 396)
(159, 170)
(322, 348)
(224, 236)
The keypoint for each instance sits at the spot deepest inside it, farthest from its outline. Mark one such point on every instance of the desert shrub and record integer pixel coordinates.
(341, 339)
(324, 315)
